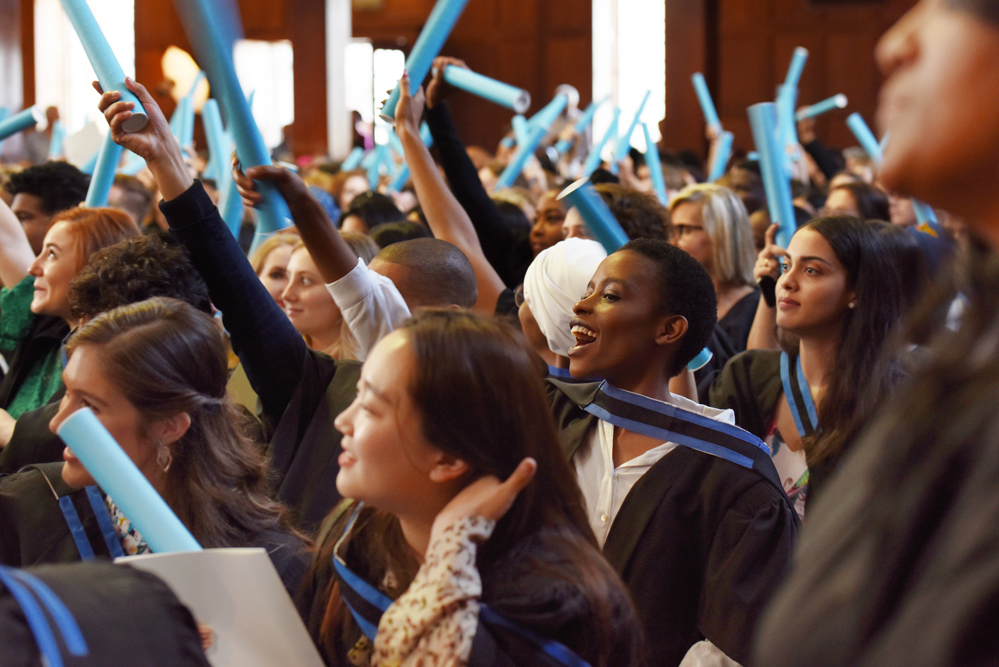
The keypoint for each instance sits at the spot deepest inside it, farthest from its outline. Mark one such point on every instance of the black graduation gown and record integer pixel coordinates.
(34, 531)
(47, 334)
(32, 442)
(701, 542)
(750, 386)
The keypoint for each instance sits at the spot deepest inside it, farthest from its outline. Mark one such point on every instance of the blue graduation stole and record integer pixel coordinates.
(799, 396)
(367, 604)
(103, 521)
(40, 604)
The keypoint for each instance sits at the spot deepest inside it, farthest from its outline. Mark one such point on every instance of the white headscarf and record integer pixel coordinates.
(555, 281)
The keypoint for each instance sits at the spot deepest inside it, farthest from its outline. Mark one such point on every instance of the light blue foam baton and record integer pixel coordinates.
(797, 66)
(133, 164)
(595, 212)
(231, 206)
(218, 149)
(707, 104)
(57, 140)
(436, 30)
(549, 113)
(20, 122)
(655, 167)
(521, 130)
(369, 158)
(395, 143)
(401, 175)
(102, 59)
(353, 159)
(819, 108)
(194, 86)
(119, 477)
(381, 156)
(624, 141)
(520, 158)
(593, 159)
(787, 127)
(866, 138)
(487, 88)
(203, 23)
(763, 122)
(91, 163)
(104, 171)
(581, 124)
(723, 151)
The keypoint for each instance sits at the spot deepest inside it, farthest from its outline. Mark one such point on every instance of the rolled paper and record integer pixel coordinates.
(819, 108)
(595, 212)
(655, 167)
(797, 66)
(520, 158)
(204, 25)
(549, 113)
(435, 32)
(701, 360)
(521, 130)
(624, 141)
(487, 88)
(91, 163)
(57, 139)
(763, 122)
(19, 122)
(593, 159)
(707, 104)
(103, 60)
(582, 123)
(722, 153)
(218, 148)
(353, 159)
(115, 473)
(866, 138)
(104, 171)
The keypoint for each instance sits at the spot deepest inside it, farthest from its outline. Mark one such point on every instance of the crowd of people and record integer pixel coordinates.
(466, 432)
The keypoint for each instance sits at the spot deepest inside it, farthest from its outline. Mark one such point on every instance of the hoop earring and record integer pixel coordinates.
(164, 458)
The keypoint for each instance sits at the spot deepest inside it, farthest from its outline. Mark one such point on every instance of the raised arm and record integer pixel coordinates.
(271, 350)
(16, 255)
(763, 333)
(446, 217)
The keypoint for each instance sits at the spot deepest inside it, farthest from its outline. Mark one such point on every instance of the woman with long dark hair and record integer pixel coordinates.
(446, 406)
(841, 290)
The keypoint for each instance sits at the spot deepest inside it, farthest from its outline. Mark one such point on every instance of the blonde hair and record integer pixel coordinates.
(727, 224)
(259, 256)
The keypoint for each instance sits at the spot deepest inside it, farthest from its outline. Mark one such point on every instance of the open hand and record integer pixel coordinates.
(289, 184)
(438, 88)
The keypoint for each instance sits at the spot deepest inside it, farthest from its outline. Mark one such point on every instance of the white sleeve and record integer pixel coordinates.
(706, 654)
(370, 304)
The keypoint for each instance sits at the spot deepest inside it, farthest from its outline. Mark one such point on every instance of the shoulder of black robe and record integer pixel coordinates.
(47, 334)
(125, 616)
(738, 321)
(701, 542)
(33, 529)
(32, 442)
(722, 350)
(305, 445)
(750, 385)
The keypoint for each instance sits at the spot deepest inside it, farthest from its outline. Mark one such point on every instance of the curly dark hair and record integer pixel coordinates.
(640, 214)
(134, 270)
(374, 209)
(59, 185)
(685, 289)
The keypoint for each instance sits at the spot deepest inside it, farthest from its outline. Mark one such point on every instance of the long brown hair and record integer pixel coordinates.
(480, 392)
(166, 357)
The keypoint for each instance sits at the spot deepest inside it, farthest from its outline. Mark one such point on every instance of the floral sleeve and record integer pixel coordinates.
(433, 623)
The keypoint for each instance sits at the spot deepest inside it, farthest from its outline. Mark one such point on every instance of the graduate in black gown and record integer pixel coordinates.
(687, 507)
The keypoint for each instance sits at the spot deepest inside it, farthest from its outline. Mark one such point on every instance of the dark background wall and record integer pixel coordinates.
(742, 46)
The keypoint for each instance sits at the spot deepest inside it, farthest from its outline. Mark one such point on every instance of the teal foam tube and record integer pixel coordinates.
(202, 20)
(655, 167)
(549, 113)
(187, 124)
(707, 104)
(102, 59)
(436, 30)
(593, 159)
(520, 158)
(581, 124)
(722, 154)
(763, 122)
(19, 122)
(381, 157)
(194, 86)
(487, 88)
(218, 147)
(624, 141)
(401, 175)
(231, 205)
(797, 66)
(91, 163)
(57, 140)
(819, 108)
(104, 171)
(592, 208)
(866, 138)
(787, 127)
(521, 129)
(353, 159)
(395, 144)
(133, 164)
(119, 477)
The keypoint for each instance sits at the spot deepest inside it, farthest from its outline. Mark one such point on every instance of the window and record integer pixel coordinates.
(266, 71)
(370, 73)
(629, 58)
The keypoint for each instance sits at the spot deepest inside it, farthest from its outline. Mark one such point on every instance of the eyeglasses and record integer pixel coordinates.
(518, 296)
(679, 231)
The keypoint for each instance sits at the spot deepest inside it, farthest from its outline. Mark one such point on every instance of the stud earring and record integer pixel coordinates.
(853, 304)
